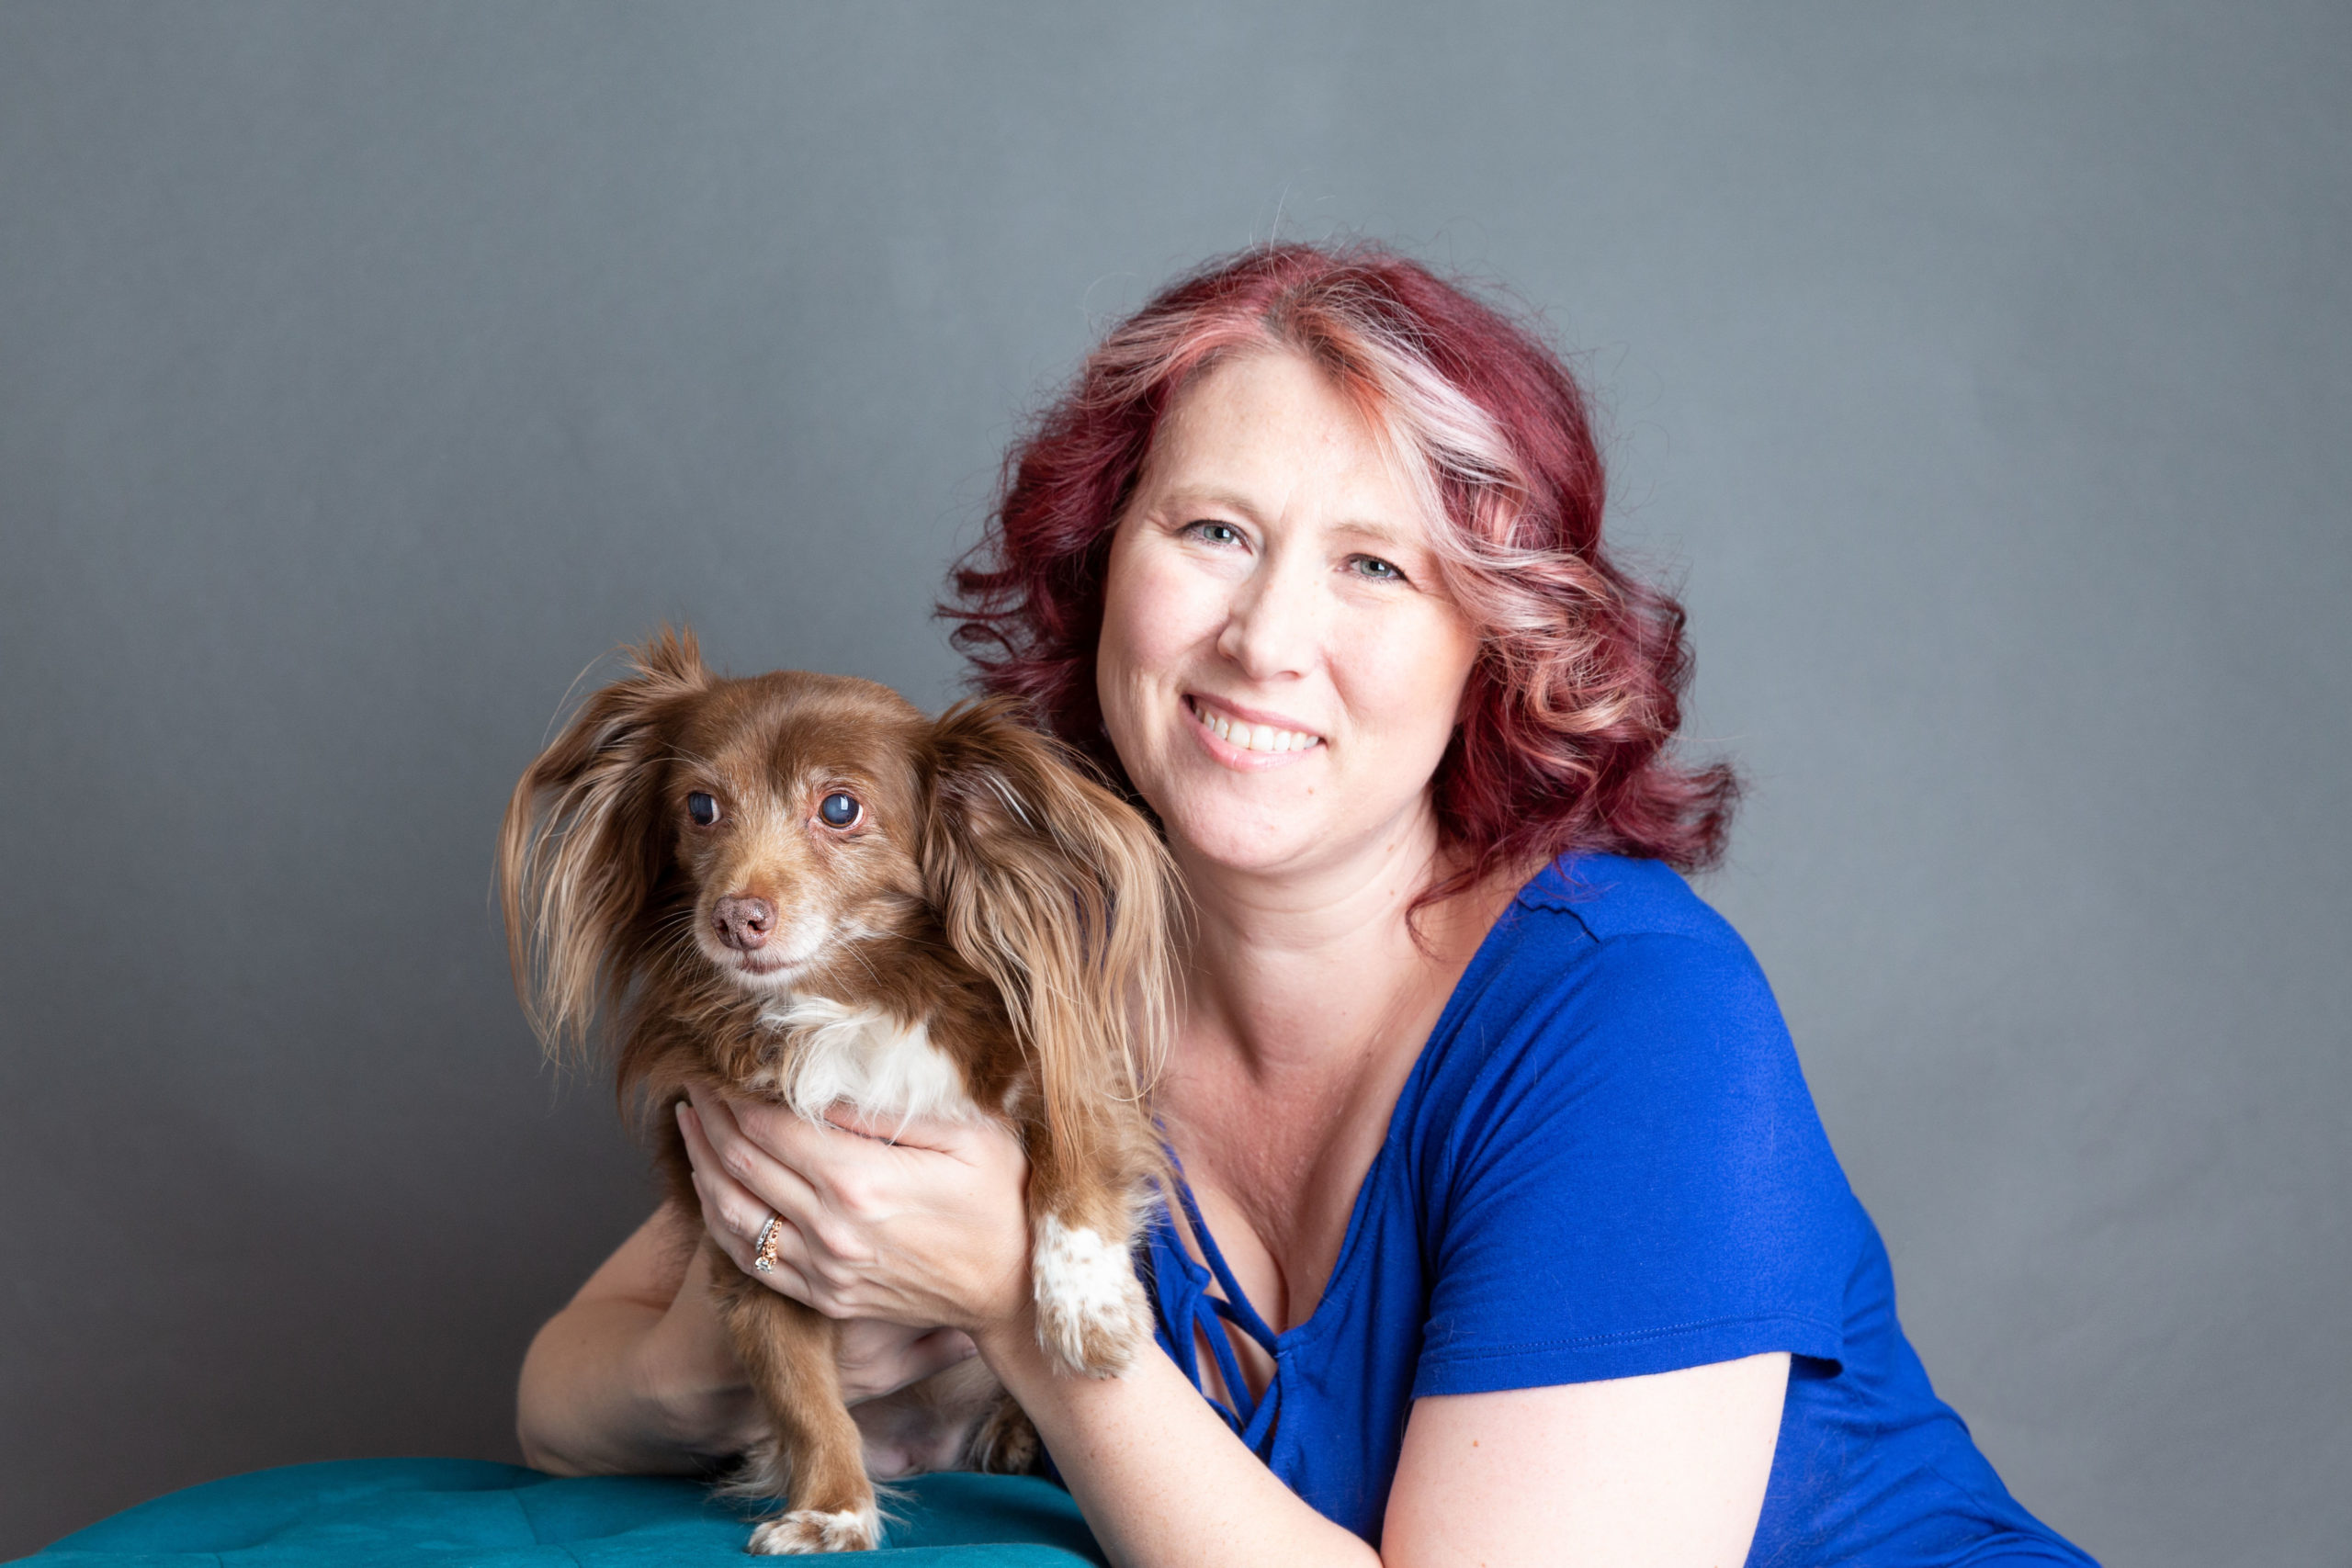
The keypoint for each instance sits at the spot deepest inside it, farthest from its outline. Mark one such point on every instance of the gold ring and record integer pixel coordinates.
(764, 1259)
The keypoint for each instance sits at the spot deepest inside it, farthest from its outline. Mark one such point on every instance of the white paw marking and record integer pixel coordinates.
(861, 1057)
(1086, 1295)
(807, 1530)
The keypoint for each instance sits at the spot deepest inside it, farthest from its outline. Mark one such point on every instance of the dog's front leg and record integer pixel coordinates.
(816, 1462)
(1091, 1310)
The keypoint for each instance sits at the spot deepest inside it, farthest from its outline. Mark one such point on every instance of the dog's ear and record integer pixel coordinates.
(583, 844)
(1061, 894)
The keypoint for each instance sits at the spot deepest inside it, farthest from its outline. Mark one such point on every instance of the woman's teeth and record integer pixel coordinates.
(1254, 737)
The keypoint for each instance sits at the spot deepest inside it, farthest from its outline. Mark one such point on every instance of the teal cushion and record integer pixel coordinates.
(366, 1513)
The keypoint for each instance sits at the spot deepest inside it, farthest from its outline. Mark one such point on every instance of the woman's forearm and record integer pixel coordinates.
(1162, 1481)
(635, 1375)
(582, 1408)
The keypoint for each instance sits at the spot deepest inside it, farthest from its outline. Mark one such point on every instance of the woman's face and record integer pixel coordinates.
(1280, 668)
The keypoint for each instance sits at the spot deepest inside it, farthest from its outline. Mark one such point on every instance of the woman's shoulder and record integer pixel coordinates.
(1590, 937)
(1614, 1137)
(1608, 897)
(1618, 1016)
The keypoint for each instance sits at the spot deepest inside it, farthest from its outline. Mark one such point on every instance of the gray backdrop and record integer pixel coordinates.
(365, 371)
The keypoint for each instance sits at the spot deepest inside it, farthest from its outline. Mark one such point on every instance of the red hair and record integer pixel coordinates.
(1572, 707)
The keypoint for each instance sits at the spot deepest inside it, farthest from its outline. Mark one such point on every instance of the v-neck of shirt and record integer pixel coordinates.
(1211, 1268)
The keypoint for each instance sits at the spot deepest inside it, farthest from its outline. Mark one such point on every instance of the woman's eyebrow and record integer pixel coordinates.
(1210, 497)
(1388, 536)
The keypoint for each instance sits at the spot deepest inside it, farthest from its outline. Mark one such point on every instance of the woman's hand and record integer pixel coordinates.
(635, 1372)
(922, 1224)
(878, 1359)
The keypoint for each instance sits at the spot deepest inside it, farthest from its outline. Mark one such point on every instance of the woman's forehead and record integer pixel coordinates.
(1268, 430)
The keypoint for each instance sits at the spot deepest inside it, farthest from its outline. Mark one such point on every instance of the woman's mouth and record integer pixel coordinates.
(1266, 741)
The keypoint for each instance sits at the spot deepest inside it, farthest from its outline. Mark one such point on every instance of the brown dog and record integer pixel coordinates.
(797, 888)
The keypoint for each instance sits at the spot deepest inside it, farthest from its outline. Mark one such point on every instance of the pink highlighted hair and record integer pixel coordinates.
(1571, 710)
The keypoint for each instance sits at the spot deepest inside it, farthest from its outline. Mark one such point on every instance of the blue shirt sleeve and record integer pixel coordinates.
(1633, 1180)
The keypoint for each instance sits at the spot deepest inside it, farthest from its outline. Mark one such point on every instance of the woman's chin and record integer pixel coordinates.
(1212, 832)
(1248, 848)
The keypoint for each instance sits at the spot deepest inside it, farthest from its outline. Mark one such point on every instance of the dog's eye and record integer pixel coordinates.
(703, 808)
(839, 810)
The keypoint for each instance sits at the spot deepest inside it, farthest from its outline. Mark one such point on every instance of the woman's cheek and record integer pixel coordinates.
(1119, 662)
(1410, 672)
(1155, 612)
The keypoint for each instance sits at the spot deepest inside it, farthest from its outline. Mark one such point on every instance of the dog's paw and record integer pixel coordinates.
(1092, 1310)
(807, 1531)
(1005, 1443)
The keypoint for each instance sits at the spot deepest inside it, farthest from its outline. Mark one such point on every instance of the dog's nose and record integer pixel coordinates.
(744, 923)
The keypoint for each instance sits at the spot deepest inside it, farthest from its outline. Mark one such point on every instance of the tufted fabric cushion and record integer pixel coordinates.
(445, 1512)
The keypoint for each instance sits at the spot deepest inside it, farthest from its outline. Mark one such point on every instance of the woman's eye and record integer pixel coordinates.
(838, 810)
(703, 808)
(1216, 533)
(1377, 570)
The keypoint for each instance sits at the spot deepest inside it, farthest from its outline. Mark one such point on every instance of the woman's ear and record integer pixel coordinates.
(1061, 894)
(583, 844)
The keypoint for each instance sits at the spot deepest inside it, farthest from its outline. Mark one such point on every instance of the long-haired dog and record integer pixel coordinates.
(797, 888)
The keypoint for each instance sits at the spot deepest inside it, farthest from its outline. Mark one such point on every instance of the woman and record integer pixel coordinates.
(1510, 1232)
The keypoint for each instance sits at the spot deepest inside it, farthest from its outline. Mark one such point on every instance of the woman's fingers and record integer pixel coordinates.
(845, 1176)
(937, 1133)
(747, 1161)
(913, 1230)
(744, 1155)
(815, 1256)
(731, 1212)
(736, 1218)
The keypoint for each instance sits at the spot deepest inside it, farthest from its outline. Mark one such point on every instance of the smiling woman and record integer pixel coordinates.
(1244, 563)
(1502, 1229)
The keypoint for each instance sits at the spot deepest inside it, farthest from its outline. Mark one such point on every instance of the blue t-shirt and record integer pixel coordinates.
(1605, 1164)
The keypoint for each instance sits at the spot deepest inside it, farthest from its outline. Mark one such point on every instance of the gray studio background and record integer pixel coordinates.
(366, 371)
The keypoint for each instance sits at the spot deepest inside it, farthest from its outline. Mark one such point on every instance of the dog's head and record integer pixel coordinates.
(790, 813)
(759, 833)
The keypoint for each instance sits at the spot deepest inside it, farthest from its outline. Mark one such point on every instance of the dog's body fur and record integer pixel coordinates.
(985, 938)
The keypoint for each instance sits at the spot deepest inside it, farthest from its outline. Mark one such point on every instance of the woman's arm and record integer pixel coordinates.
(1159, 1476)
(1665, 1469)
(1662, 1470)
(635, 1375)
(930, 1228)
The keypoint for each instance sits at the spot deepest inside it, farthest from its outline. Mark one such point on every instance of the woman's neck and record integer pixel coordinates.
(1308, 971)
(1307, 999)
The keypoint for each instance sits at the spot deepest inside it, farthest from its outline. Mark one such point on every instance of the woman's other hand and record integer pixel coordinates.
(922, 1223)
(878, 1359)
(635, 1375)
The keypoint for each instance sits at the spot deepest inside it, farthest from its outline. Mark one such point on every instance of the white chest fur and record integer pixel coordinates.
(862, 1057)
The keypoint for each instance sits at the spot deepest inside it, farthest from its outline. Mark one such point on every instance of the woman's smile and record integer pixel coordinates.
(1248, 739)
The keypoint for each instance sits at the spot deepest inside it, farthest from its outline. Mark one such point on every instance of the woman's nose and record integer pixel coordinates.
(1270, 627)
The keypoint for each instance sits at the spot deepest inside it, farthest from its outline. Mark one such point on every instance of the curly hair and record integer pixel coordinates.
(1569, 717)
